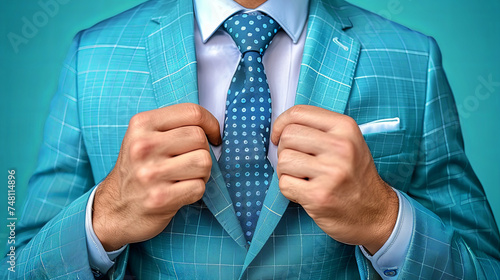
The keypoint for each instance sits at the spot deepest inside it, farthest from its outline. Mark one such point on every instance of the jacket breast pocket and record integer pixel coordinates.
(383, 144)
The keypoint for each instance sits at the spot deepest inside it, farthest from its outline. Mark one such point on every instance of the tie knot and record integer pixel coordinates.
(251, 32)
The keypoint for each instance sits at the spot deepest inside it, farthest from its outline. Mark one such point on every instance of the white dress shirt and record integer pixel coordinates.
(217, 59)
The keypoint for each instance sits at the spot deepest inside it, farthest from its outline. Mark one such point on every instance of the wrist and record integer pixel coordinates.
(110, 239)
(384, 225)
(105, 220)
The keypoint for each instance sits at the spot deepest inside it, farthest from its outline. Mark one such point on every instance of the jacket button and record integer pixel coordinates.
(390, 272)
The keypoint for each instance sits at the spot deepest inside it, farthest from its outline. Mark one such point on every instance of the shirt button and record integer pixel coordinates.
(391, 272)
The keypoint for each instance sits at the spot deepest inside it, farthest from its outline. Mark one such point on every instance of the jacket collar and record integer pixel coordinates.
(211, 14)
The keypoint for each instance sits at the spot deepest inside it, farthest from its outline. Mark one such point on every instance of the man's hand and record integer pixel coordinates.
(325, 165)
(164, 163)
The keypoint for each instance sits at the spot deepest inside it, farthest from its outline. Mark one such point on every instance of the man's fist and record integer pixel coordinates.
(163, 164)
(325, 165)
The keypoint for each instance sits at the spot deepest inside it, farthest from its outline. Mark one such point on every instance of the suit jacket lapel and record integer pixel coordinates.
(329, 60)
(172, 61)
(171, 54)
(326, 75)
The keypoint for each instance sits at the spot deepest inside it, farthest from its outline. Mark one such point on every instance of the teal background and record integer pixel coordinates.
(468, 33)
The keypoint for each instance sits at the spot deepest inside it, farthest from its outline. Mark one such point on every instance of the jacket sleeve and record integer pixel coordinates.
(50, 234)
(454, 233)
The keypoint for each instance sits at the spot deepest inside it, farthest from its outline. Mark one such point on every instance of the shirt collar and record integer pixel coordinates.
(290, 14)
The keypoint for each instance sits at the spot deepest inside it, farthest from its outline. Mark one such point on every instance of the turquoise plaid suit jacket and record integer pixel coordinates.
(145, 58)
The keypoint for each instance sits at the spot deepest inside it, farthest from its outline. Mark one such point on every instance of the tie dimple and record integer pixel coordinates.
(251, 32)
(244, 163)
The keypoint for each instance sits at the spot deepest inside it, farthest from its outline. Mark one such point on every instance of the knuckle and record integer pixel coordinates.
(198, 135)
(286, 155)
(145, 175)
(331, 141)
(296, 111)
(339, 174)
(346, 148)
(284, 183)
(349, 147)
(288, 132)
(203, 159)
(155, 199)
(349, 123)
(139, 148)
(195, 192)
(138, 120)
(196, 113)
(206, 160)
(322, 198)
(287, 188)
(198, 189)
(283, 158)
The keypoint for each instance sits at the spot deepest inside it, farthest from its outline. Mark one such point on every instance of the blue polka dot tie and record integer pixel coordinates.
(244, 163)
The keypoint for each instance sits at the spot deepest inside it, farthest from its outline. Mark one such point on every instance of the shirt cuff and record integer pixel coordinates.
(388, 260)
(99, 259)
